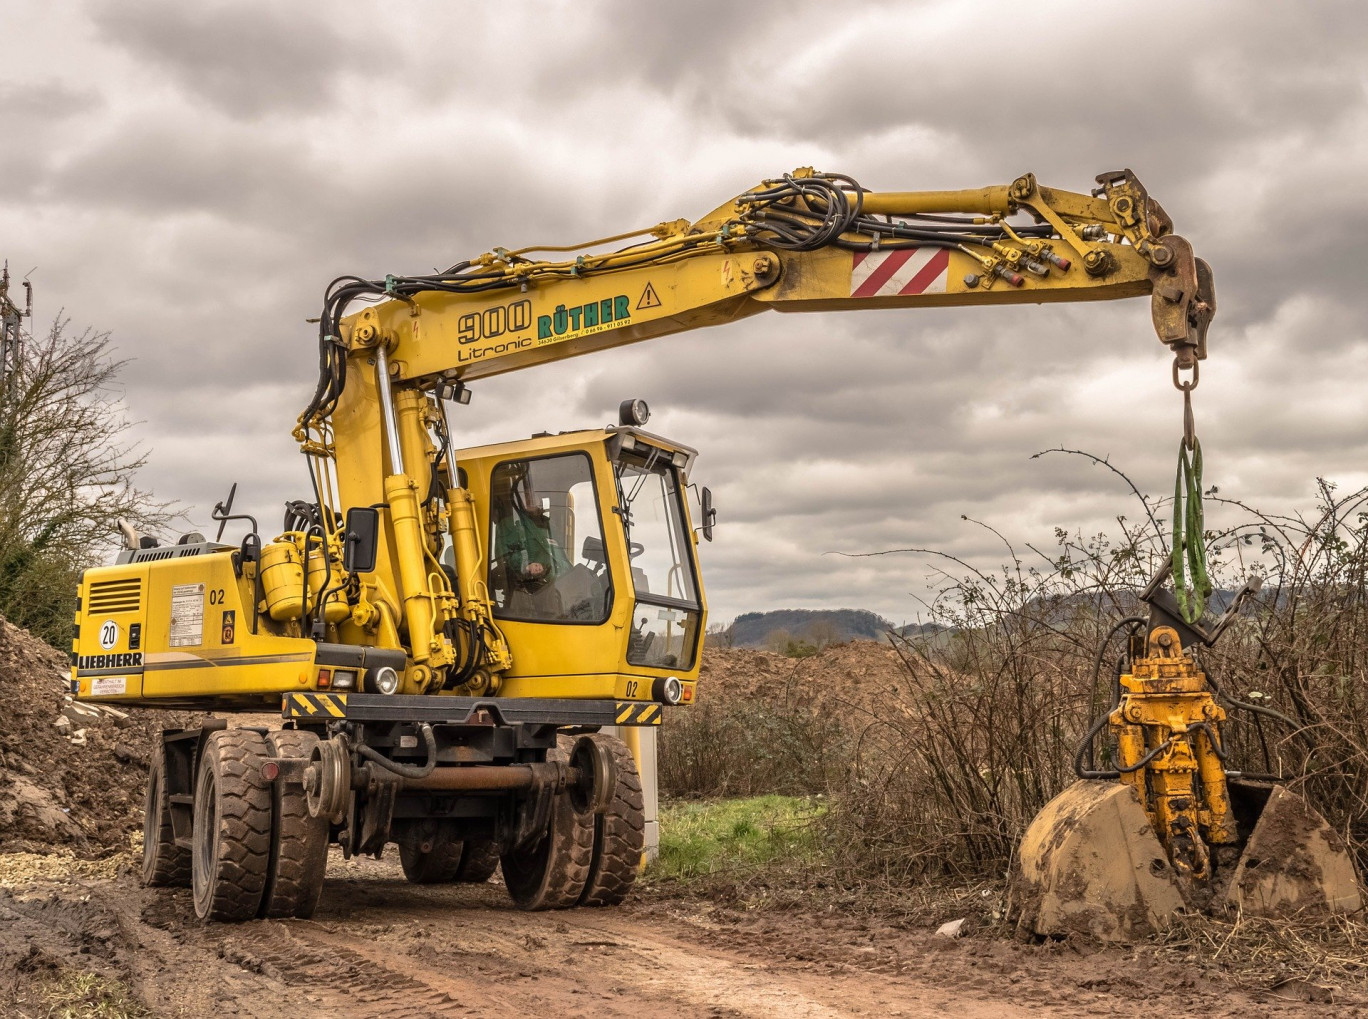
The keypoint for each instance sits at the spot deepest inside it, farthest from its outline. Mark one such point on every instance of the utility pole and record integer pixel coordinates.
(11, 335)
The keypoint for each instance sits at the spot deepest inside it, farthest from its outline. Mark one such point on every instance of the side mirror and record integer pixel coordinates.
(593, 549)
(709, 514)
(361, 539)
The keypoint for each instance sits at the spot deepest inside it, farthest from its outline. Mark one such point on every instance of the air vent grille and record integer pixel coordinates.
(158, 553)
(124, 595)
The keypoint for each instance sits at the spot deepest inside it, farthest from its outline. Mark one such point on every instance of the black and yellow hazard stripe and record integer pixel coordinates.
(637, 713)
(316, 705)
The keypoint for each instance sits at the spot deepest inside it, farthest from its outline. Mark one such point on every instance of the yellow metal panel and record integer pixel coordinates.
(476, 335)
(194, 621)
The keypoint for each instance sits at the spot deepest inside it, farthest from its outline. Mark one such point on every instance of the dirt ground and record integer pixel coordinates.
(380, 947)
(858, 675)
(77, 788)
(80, 937)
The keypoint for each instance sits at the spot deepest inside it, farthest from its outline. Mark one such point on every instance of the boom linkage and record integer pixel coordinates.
(806, 241)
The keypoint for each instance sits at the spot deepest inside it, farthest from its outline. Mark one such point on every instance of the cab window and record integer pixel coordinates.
(665, 621)
(547, 562)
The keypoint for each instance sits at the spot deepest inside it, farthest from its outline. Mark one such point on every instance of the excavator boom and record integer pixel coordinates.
(803, 242)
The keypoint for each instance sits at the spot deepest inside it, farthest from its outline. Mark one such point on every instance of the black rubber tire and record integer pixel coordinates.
(479, 861)
(551, 875)
(299, 843)
(441, 865)
(164, 863)
(619, 832)
(232, 831)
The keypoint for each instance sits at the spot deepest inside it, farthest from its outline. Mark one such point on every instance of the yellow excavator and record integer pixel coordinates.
(448, 632)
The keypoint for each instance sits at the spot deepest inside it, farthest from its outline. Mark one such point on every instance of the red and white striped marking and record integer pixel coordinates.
(902, 272)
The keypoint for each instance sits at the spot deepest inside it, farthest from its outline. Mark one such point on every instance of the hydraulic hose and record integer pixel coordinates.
(1085, 748)
(406, 770)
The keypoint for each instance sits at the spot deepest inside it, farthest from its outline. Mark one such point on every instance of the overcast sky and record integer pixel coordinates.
(189, 176)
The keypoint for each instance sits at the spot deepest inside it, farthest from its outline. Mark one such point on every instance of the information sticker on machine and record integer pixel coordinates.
(187, 615)
(108, 686)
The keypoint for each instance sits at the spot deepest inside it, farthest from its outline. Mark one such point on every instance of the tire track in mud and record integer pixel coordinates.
(383, 948)
(341, 978)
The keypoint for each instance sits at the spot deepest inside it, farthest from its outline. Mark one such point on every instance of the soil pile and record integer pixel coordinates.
(860, 675)
(85, 796)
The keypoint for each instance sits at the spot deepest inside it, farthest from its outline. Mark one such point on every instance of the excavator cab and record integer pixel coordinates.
(592, 567)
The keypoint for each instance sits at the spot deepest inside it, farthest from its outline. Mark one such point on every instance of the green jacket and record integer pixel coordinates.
(521, 540)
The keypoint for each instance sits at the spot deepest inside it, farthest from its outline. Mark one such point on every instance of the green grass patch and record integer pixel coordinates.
(699, 839)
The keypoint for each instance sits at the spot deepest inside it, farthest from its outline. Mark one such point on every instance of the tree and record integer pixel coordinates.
(822, 633)
(67, 473)
(720, 635)
(778, 641)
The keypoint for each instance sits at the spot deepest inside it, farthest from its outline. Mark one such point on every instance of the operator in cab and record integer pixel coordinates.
(529, 554)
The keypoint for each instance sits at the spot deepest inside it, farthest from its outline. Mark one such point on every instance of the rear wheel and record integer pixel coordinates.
(439, 863)
(299, 843)
(232, 829)
(619, 832)
(552, 873)
(479, 860)
(163, 862)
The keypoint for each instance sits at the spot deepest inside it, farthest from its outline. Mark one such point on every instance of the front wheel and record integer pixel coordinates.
(479, 860)
(619, 832)
(299, 843)
(432, 858)
(552, 874)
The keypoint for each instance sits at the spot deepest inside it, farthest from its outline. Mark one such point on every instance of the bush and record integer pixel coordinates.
(748, 749)
(998, 700)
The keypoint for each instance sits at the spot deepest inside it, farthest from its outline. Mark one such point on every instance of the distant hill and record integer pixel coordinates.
(834, 625)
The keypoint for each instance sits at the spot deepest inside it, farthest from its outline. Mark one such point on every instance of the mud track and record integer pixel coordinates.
(381, 947)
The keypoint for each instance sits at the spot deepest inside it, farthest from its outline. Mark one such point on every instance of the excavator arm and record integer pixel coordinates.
(804, 242)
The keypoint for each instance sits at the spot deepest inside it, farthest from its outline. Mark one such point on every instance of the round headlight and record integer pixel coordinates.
(633, 412)
(669, 690)
(386, 680)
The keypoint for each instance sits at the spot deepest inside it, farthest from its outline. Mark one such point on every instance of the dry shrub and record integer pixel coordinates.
(1312, 953)
(749, 749)
(984, 732)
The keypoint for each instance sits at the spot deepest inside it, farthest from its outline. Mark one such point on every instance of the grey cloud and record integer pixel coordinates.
(26, 106)
(243, 59)
(33, 115)
(229, 161)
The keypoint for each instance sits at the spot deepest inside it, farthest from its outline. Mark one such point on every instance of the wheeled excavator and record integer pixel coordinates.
(448, 633)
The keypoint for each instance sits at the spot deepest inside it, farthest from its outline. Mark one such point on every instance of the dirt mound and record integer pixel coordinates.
(861, 675)
(83, 796)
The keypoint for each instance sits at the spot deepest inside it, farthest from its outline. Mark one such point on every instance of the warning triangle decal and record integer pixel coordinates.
(648, 298)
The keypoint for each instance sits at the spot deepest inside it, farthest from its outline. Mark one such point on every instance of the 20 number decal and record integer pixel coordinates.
(109, 634)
